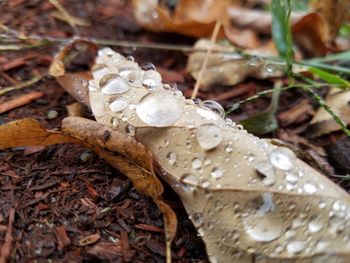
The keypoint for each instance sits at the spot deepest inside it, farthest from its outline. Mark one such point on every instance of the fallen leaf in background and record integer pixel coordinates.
(248, 198)
(192, 18)
(310, 34)
(225, 68)
(334, 13)
(323, 123)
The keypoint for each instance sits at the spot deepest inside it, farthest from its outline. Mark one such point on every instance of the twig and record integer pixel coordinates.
(207, 55)
(20, 101)
(6, 247)
(66, 15)
(22, 85)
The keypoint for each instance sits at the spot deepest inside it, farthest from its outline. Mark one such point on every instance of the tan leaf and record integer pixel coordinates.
(225, 68)
(323, 123)
(250, 199)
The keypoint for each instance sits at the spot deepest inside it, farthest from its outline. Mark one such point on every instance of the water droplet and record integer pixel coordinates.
(205, 184)
(216, 173)
(214, 107)
(197, 219)
(229, 147)
(207, 114)
(291, 178)
(266, 172)
(114, 122)
(263, 228)
(310, 188)
(282, 158)
(92, 87)
(196, 163)
(159, 109)
(295, 247)
(296, 223)
(130, 58)
(189, 178)
(99, 70)
(113, 84)
(134, 78)
(209, 136)
(255, 61)
(270, 69)
(129, 129)
(171, 157)
(316, 224)
(207, 161)
(148, 66)
(151, 79)
(118, 105)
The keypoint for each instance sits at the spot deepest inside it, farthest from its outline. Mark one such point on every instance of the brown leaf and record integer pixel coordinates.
(334, 14)
(88, 240)
(310, 35)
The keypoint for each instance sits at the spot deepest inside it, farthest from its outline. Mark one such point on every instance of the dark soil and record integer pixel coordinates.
(65, 193)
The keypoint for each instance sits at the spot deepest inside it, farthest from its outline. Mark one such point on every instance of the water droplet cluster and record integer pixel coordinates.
(213, 164)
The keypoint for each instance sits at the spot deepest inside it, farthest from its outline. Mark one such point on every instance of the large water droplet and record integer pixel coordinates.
(118, 105)
(295, 247)
(207, 114)
(151, 79)
(265, 225)
(171, 157)
(196, 163)
(113, 84)
(209, 136)
(134, 78)
(316, 224)
(282, 158)
(266, 172)
(214, 107)
(216, 173)
(159, 109)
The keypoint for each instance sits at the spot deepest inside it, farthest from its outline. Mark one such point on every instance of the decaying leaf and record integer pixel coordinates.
(225, 68)
(334, 14)
(322, 123)
(249, 199)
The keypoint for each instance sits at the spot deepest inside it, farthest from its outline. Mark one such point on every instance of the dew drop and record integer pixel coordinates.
(151, 79)
(196, 163)
(148, 66)
(316, 224)
(295, 247)
(310, 188)
(130, 58)
(282, 158)
(255, 61)
(216, 173)
(118, 105)
(92, 86)
(207, 114)
(159, 109)
(115, 122)
(134, 78)
(209, 136)
(197, 218)
(229, 147)
(99, 70)
(172, 158)
(266, 172)
(214, 107)
(130, 130)
(189, 178)
(113, 84)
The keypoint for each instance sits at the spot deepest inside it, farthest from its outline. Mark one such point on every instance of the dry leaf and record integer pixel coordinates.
(334, 13)
(323, 123)
(249, 198)
(225, 68)
(88, 240)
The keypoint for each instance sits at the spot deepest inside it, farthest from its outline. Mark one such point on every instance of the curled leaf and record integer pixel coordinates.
(248, 198)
